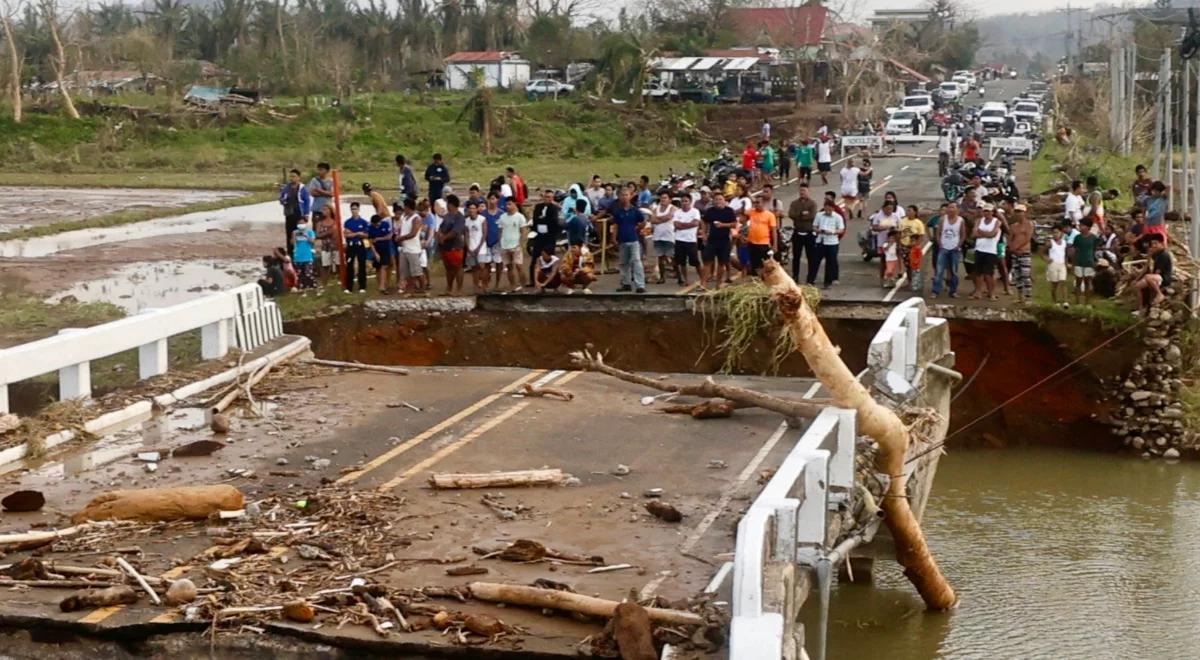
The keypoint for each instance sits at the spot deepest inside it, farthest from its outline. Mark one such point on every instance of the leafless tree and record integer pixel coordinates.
(58, 56)
(14, 58)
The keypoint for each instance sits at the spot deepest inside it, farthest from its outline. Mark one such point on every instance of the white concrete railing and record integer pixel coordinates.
(787, 521)
(240, 314)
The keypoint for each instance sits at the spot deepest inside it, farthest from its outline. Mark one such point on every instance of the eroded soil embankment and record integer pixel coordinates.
(1000, 360)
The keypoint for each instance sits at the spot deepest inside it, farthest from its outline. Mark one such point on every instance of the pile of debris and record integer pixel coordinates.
(317, 560)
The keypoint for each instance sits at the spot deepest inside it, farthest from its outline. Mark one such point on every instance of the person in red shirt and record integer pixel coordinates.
(749, 158)
(520, 192)
(971, 149)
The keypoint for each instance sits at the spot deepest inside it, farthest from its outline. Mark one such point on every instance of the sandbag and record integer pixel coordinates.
(162, 504)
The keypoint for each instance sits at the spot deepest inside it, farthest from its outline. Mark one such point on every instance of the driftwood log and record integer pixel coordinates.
(448, 481)
(874, 420)
(515, 594)
(708, 389)
(359, 365)
(549, 392)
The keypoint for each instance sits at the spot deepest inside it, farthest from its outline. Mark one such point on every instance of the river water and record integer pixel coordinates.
(1054, 554)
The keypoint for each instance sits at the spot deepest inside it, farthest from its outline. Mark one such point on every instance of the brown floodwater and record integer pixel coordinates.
(1055, 553)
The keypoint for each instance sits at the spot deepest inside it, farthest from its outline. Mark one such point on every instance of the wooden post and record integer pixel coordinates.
(337, 231)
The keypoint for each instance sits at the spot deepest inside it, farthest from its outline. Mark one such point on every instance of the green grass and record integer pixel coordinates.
(553, 141)
(1110, 169)
(1114, 312)
(25, 317)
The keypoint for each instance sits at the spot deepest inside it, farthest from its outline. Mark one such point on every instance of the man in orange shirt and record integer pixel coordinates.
(760, 235)
(519, 190)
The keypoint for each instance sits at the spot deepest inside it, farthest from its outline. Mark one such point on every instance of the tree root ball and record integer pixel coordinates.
(181, 592)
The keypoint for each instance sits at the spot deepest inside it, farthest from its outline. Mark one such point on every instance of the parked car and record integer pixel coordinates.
(547, 87)
(992, 119)
(920, 103)
(1028, 111)
(656, 91)
(963, 82)
(900, 123)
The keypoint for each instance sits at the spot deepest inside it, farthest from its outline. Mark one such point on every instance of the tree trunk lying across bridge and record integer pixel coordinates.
(515, 594)
(708, 389)
(551, 477)
(875, 420)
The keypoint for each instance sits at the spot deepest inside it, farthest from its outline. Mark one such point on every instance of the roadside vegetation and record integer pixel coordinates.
(551, 141)
(23, 318)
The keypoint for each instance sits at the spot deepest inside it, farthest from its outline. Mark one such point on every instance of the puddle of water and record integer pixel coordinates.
(30, 207)
(150, 284)
(235, 218)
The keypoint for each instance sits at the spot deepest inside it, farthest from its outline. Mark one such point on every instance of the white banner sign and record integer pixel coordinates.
(868, 141)
(1018, 145)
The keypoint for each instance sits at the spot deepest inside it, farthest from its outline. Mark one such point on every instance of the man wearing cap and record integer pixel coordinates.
(1020, 246)
(705, 199)
(987, 239)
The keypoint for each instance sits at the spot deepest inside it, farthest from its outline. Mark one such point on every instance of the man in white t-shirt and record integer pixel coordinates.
(512, 229)
(1073, 204)
(687, 247)
(849, 186)
(824, 157)
(476, 249)
(407, 235)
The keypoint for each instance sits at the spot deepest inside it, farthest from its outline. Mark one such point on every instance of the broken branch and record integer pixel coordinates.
(514, 594)
(552, 392)
(708, 389)
(128, 568)
(359, 365)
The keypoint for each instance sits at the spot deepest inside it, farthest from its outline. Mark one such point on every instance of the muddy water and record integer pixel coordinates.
(144, 285)
(31, 207)
(1055, 554)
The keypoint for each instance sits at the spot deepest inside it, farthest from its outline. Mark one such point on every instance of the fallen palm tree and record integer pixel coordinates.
(875, 420)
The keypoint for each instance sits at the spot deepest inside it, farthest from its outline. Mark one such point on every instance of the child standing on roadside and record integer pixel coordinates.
(1056, 269)
(891, 256)
(302, 241)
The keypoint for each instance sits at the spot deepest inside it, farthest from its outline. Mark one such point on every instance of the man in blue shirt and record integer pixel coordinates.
(408, 181)
(380, 234)
(355, 232)
(438, 175)
(628, 220)
(645, 198)
(491, 260)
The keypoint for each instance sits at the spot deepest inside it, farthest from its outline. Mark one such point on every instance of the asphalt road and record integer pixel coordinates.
(910, 172)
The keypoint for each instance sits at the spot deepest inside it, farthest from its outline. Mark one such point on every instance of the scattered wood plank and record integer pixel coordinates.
(118, 595)
(548, 392)
(515, 594)
(128, 568)
(360, 365)
(447, 481)
(57, 584)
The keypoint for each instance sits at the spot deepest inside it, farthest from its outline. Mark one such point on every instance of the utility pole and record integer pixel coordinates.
(1169, 131)
(1133, 49)
(1114, 97)
(1194, 225)
(1185, 135)
(1160, 95)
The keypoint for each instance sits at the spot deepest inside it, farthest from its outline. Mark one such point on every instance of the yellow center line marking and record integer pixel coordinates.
(99, 614)
(438, 428)
(455, 446)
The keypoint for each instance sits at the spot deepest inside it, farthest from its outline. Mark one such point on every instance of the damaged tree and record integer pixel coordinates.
(874, 420)
(58, 56)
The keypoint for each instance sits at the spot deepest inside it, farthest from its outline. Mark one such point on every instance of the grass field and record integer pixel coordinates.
(25, 317)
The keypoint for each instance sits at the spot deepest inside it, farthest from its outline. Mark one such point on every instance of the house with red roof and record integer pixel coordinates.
(800, 28)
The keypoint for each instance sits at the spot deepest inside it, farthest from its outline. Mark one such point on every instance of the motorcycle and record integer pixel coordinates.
(866, 243)
(714, 173)
(981, 91)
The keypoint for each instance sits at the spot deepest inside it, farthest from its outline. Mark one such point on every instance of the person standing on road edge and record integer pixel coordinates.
(951, 232)
(628, 221)
(802, 211)
(520, 191)
(912, 244)
(438, 175)
(491, 213)
(382, 247)
(829, 226)
(687, 249)
(296, 202)
(408, 180)
(1020, 244)
(512, 225)
(987, 255)
(354, 232)
(407, 234)
(320, 189)
(720, 220)
(761, 235)
(303, 242)
(547, 227)
(452, 241)
(662, 234)
(1084, 248)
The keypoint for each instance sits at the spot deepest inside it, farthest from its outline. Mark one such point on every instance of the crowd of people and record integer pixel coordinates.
(507, 240)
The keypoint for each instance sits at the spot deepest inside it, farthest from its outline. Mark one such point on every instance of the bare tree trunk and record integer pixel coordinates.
(875, 420)
(14, 68)
(58, 59)
(708, 389)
